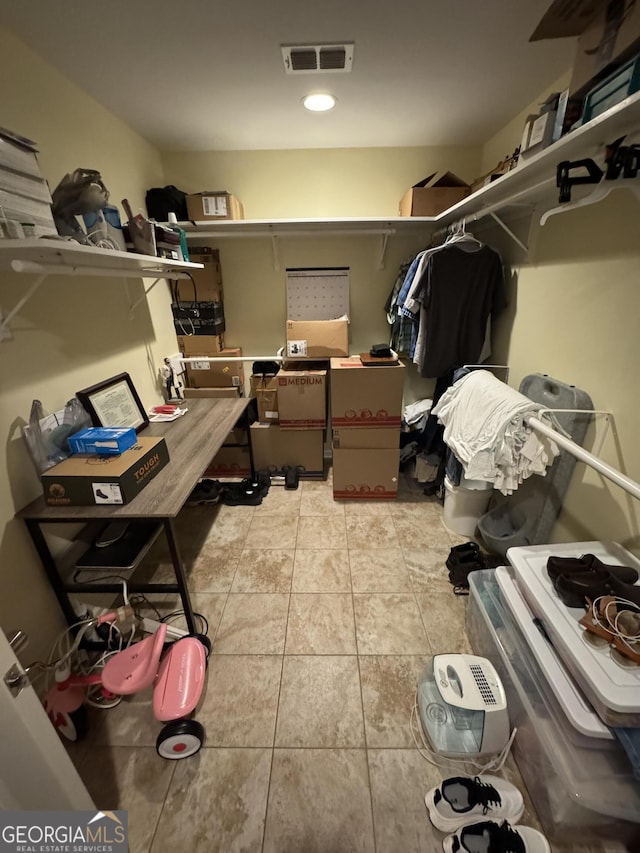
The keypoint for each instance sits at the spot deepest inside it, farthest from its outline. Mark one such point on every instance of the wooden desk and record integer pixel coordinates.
(192, 441)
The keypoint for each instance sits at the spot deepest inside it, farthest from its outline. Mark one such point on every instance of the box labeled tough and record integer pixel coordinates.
(213, 204)
(85, 480)
(365, 474)
(302, 399)
(365, 396)
(207, 282)
(317, 338)
(218, 373)
(434, 194)
(366, 439)
(275, 448)
(265, 390)
(608, 35)
(103, 441)
(230, 462)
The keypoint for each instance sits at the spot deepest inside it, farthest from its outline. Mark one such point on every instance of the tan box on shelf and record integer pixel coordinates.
(207, 282)
(366, 474)
(79, 481)
(265, 390)
(317, 338)
(366, 439)
(365, 396)
(218, 373)
(230, 462)
(191, 393)
(213, 205)
(608, 34)
(302, 399)
(434, 194)
(190, 345)
(275, 447)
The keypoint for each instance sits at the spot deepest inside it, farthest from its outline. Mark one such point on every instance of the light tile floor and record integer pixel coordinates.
(322, 616)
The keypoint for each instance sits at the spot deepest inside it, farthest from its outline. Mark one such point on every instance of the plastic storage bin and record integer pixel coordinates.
(577, 789)
(465, 504)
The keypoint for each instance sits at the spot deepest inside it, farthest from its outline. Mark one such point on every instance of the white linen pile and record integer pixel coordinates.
(484, 425)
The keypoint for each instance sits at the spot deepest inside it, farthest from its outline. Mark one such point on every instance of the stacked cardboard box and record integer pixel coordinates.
(25, 199)
(213, 374)
(292, 410)
(366, 408)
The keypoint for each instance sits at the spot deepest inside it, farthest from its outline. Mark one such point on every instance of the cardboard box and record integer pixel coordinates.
(302, 399)
(213, 204)
(365, 474)
(191, 393)
(274, 447)
(317, 338)
(230, 462)
(609, 34)
(265, 390)
(368, 396)
(190, 345)
(103, 441)
(434, 194)
(218, 373)
(207, 282)
(85, 480)
(366, 439)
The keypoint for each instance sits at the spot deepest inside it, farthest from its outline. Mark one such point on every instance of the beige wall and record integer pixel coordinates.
(317, 182)
(504, 143)
(574, 304)
(73, 332)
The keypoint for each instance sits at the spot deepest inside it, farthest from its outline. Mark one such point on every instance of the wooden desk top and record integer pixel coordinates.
(193, 440)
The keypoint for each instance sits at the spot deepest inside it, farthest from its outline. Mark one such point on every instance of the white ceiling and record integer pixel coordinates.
(195, 75)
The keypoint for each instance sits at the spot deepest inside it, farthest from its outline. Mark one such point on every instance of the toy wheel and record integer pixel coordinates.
(180, 739)
(72, 725)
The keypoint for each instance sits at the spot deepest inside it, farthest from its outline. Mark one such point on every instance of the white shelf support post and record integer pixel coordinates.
(383, 249)
(5, 332)
(276, 252)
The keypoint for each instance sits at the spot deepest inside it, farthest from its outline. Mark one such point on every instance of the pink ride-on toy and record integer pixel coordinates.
(177, 678)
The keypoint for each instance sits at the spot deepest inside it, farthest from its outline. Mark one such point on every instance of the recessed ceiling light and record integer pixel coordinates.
(319, 103)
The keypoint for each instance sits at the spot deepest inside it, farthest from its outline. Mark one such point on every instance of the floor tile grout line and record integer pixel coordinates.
(164, 802)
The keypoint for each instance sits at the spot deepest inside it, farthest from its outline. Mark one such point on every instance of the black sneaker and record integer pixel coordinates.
(205, 492)
(463, 800)
(491, 837)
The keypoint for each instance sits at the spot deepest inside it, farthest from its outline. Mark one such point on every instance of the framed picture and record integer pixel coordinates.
(114, 403)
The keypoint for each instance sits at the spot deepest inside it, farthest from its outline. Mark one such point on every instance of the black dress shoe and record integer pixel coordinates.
(569, 566)
(573, 590)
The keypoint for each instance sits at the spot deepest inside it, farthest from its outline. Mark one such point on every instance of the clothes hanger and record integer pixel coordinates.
(602, 191)
(461, 235)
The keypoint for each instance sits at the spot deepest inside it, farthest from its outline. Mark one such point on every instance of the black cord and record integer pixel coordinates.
(176, 613)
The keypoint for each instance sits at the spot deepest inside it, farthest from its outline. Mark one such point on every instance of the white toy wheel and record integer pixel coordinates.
(180, 739)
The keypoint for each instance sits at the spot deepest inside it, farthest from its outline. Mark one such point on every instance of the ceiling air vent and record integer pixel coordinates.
(317, 58)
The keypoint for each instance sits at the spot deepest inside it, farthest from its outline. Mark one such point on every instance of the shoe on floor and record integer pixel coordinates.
(462, 800)
(205, 492)
(491, 837)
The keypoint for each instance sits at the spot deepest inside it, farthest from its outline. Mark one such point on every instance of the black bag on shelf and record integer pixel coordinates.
(161, 201)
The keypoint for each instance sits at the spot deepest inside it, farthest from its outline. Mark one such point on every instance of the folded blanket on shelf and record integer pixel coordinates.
(485, 426)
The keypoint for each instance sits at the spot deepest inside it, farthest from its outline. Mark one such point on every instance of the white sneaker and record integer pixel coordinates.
(491, 837)
(462, 800)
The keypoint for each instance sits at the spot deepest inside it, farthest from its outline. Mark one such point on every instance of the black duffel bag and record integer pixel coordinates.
(161, 201)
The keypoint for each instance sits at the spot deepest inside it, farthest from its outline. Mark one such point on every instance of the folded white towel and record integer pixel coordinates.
(485, 426)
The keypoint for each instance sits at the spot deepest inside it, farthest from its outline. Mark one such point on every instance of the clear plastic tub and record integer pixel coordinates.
(576, 789)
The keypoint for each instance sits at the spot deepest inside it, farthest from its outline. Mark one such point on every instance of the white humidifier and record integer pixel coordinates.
(462, 706)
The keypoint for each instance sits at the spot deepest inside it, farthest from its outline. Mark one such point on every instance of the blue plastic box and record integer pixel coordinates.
(103, 441)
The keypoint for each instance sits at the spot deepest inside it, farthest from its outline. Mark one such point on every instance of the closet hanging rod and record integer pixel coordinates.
(197, 358)
(583, 455)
